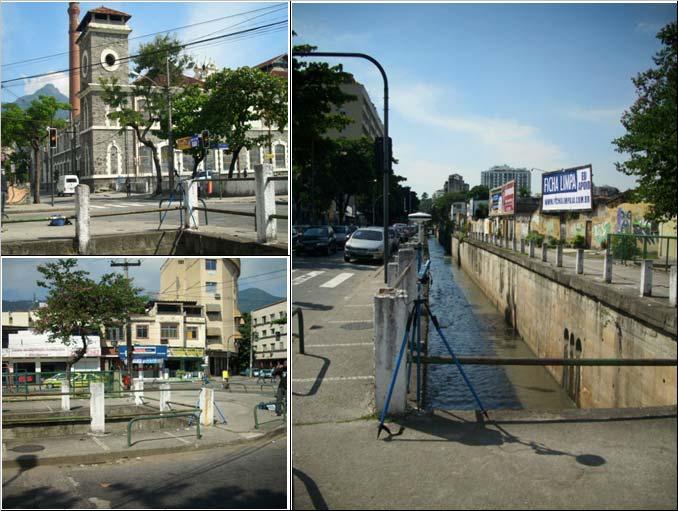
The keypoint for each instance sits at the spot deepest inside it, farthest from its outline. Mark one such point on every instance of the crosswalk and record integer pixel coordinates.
(331, 283)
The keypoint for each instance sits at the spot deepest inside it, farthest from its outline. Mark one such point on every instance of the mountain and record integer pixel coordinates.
(254, 298)
(16, 305)
(47, 90)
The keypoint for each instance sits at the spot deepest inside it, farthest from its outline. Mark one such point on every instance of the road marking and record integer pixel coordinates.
(117, 206)
(352, 321)
(178, 438)
(337, 280)
(138, 204)
(100, 443)
(307, 276)
(339, 345)
(73, 481)
(97, 207)
(338, 378)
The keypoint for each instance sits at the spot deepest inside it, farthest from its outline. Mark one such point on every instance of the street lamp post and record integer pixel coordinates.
(386, 155)
(253, 337)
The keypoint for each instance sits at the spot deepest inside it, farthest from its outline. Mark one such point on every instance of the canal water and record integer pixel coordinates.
(473, 326)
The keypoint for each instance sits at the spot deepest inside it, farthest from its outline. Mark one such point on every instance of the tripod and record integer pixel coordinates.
(414, 325)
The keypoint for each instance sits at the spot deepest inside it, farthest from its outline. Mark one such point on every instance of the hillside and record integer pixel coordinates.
(254, 298)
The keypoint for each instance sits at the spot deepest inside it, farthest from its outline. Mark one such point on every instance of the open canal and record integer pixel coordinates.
(474, 327)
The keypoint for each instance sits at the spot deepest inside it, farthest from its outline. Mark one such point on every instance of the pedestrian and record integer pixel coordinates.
(281, 393)
(244, 172)
(128, 187)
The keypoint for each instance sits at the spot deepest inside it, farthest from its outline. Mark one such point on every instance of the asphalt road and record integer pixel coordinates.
(254, 476)
(236, 224)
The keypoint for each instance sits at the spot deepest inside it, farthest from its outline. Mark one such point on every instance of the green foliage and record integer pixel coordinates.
(523, 192)
(245, 329)
(479, 192)
(624, 247)
(651, 124)
(535, 236)
(440, 210)
(578, 241)
(77, 305)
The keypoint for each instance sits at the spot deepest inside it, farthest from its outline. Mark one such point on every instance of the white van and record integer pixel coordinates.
(66, 184)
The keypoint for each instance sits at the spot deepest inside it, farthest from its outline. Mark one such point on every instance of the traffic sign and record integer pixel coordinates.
(195, 141)
(184, 143)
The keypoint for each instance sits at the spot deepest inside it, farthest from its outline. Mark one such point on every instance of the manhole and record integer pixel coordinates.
(28, 448)
(357, 326)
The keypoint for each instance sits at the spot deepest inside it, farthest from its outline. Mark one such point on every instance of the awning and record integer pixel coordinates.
(187, 352)
(213, 332)
(213, 307)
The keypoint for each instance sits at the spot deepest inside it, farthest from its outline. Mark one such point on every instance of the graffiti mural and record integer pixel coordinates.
(624, 224)
(600, 232)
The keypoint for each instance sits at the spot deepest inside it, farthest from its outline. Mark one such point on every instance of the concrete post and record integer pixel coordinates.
(390, 317)
(191, 216)
(531, 248)
(673, 284)
(206, 407)
(265, 194)
(65, 396)
(421, 232)
(514, 243)
(139, 394)
(407, 256)
(522, 245)
(580, 261)
(607, 267)
(165, 395)
(82, 218)
(392, 274)
(544, 252)
(646, 277)
(97, 407)
(559, 255)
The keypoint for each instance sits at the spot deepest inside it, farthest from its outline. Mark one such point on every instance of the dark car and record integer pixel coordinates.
(318, 239)
(297, 230)
(341, 233)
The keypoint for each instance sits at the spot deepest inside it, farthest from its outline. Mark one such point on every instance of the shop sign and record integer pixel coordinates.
(30, 345)
(508, 194)
(144, 354)
(186, 352)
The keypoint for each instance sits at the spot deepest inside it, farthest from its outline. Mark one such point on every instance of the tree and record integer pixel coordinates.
(78, 306)
(523, 192)
(352, 171)
(651, 128)
(238, 97)
(245, 329)
(29, 129)
(479, 192)
(151, 63)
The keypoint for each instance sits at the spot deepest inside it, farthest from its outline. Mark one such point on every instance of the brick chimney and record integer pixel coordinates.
(74, 57)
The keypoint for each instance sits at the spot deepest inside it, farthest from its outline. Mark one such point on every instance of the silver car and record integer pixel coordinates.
(365, 243)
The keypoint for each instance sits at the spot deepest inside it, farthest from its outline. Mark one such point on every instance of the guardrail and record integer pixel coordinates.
(162, 416)
(282, 418)
(300, 327)
(244, 385)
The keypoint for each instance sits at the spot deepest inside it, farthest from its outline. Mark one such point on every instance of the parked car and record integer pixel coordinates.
(401, 230)
(318, 239)
(66, 184)
(297, 231)
(365, 243)
(266, 373)
(394, 240)
(341, 233)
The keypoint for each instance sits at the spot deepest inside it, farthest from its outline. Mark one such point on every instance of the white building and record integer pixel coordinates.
(269, 328)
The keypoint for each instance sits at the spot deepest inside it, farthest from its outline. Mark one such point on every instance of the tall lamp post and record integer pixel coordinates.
(386, 152)
(253, 337)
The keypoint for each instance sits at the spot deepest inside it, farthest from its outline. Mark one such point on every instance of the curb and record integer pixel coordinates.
(94, 459)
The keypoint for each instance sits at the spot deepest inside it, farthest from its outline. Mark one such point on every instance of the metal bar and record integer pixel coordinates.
(277, 178)
(300, 326)
(183, 404)
(225, 211)
(42, 219)
(32, 420)
(161, 416)
(137, 212)
(550, 361)
(278, 217)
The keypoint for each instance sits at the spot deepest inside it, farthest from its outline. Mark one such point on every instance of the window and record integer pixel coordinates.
(255, 156)
(279, 156)
(211, 264)
(192, 333)
(263, 333)
(114, 333)
(142, 331)
(187, 163)
(210, 161)
(168, 330)
(145, 160)
(211, 288)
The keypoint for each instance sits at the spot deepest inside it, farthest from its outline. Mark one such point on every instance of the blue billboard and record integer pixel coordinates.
(145, 354)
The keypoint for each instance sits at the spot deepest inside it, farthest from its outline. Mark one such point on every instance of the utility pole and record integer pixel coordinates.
(128, 338)
(253, 337)
(170, 141)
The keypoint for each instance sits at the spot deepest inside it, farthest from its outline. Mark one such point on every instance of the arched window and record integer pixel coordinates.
(145, 160)
(113, 159)
(255, 156)
(280, 156)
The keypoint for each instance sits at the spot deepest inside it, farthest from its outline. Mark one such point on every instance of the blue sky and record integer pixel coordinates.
(31, 30)
(19, 276)
(477, 85)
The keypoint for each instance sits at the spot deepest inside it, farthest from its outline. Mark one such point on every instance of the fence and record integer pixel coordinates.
(24, 384)
(633, 247)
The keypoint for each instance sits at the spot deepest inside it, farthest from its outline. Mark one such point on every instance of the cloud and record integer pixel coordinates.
(648, 28)
(605, 115)
(59, 80)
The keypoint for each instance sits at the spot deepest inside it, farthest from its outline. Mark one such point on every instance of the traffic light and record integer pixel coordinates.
(379, 153)
(52, 137)
(206, 139)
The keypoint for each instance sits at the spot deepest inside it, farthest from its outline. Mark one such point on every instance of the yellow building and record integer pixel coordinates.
(212, 283)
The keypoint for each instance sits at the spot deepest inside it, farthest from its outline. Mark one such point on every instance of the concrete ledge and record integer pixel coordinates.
(647, 311)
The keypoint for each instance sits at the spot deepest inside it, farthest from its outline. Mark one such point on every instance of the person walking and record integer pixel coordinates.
(281, 393)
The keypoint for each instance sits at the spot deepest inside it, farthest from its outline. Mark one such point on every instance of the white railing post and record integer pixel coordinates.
(65, 396)
(544, 251)
(607, 267)
(265, 198)
(206, 407)
(580, 261)
(646, 277)
(673, 284)
(191, 216)
(390, 317)
(522, 245)
(139, 392)
(82, 223)
(97, 407)
(531, 248)
(165, 395)
(392, 274)
(559, 255)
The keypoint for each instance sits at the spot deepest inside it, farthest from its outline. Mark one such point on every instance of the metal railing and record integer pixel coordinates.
(169, 415)
(598, 362)
(300, 327)
(281, 418)
(633, 247)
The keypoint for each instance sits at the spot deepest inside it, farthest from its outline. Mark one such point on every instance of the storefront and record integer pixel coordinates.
(185, 361)
(149, 359)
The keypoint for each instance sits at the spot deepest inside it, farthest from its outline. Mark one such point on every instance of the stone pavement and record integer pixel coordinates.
(237, 406)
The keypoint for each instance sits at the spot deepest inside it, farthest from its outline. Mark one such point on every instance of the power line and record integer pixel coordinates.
(130, 57)
(273, 8)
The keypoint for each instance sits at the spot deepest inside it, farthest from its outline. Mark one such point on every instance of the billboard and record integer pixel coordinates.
(567, 189)
(495, 201)
(145, 354)
(27, 344)
(508, 197)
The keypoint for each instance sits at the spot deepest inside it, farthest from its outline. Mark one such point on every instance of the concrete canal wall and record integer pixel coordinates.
(561, 314)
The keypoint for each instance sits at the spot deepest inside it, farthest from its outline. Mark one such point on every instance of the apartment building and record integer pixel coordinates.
(269, 328)
(212, 284)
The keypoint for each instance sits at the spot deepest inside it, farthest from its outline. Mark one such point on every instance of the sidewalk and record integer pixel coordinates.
(87, 448)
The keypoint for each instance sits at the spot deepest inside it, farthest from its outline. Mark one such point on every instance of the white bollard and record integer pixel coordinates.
(673, 283)
(514, 243)
(646, 277)
(191, 216)
(65, 396)
(531, 248)
(405, 257)
(82, 232)
(206, 407)
(165, 395)
(392, 274)
(522, 246)
(97, 407)
(559, 255)
(139, 392)
(390, 317)
(265, 195)
(607, 267)
(544, 252)
(580, 261)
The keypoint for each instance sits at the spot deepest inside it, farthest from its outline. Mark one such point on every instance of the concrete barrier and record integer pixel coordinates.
(138, 392)
(607, 267)
(206, 407)
(165, 395)
(192, 217)
(646, 277)
(559, 255)
(65, 396)
(267, 229)
(544, 252)
(580, 261)
(97, 408)
(673, 284)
